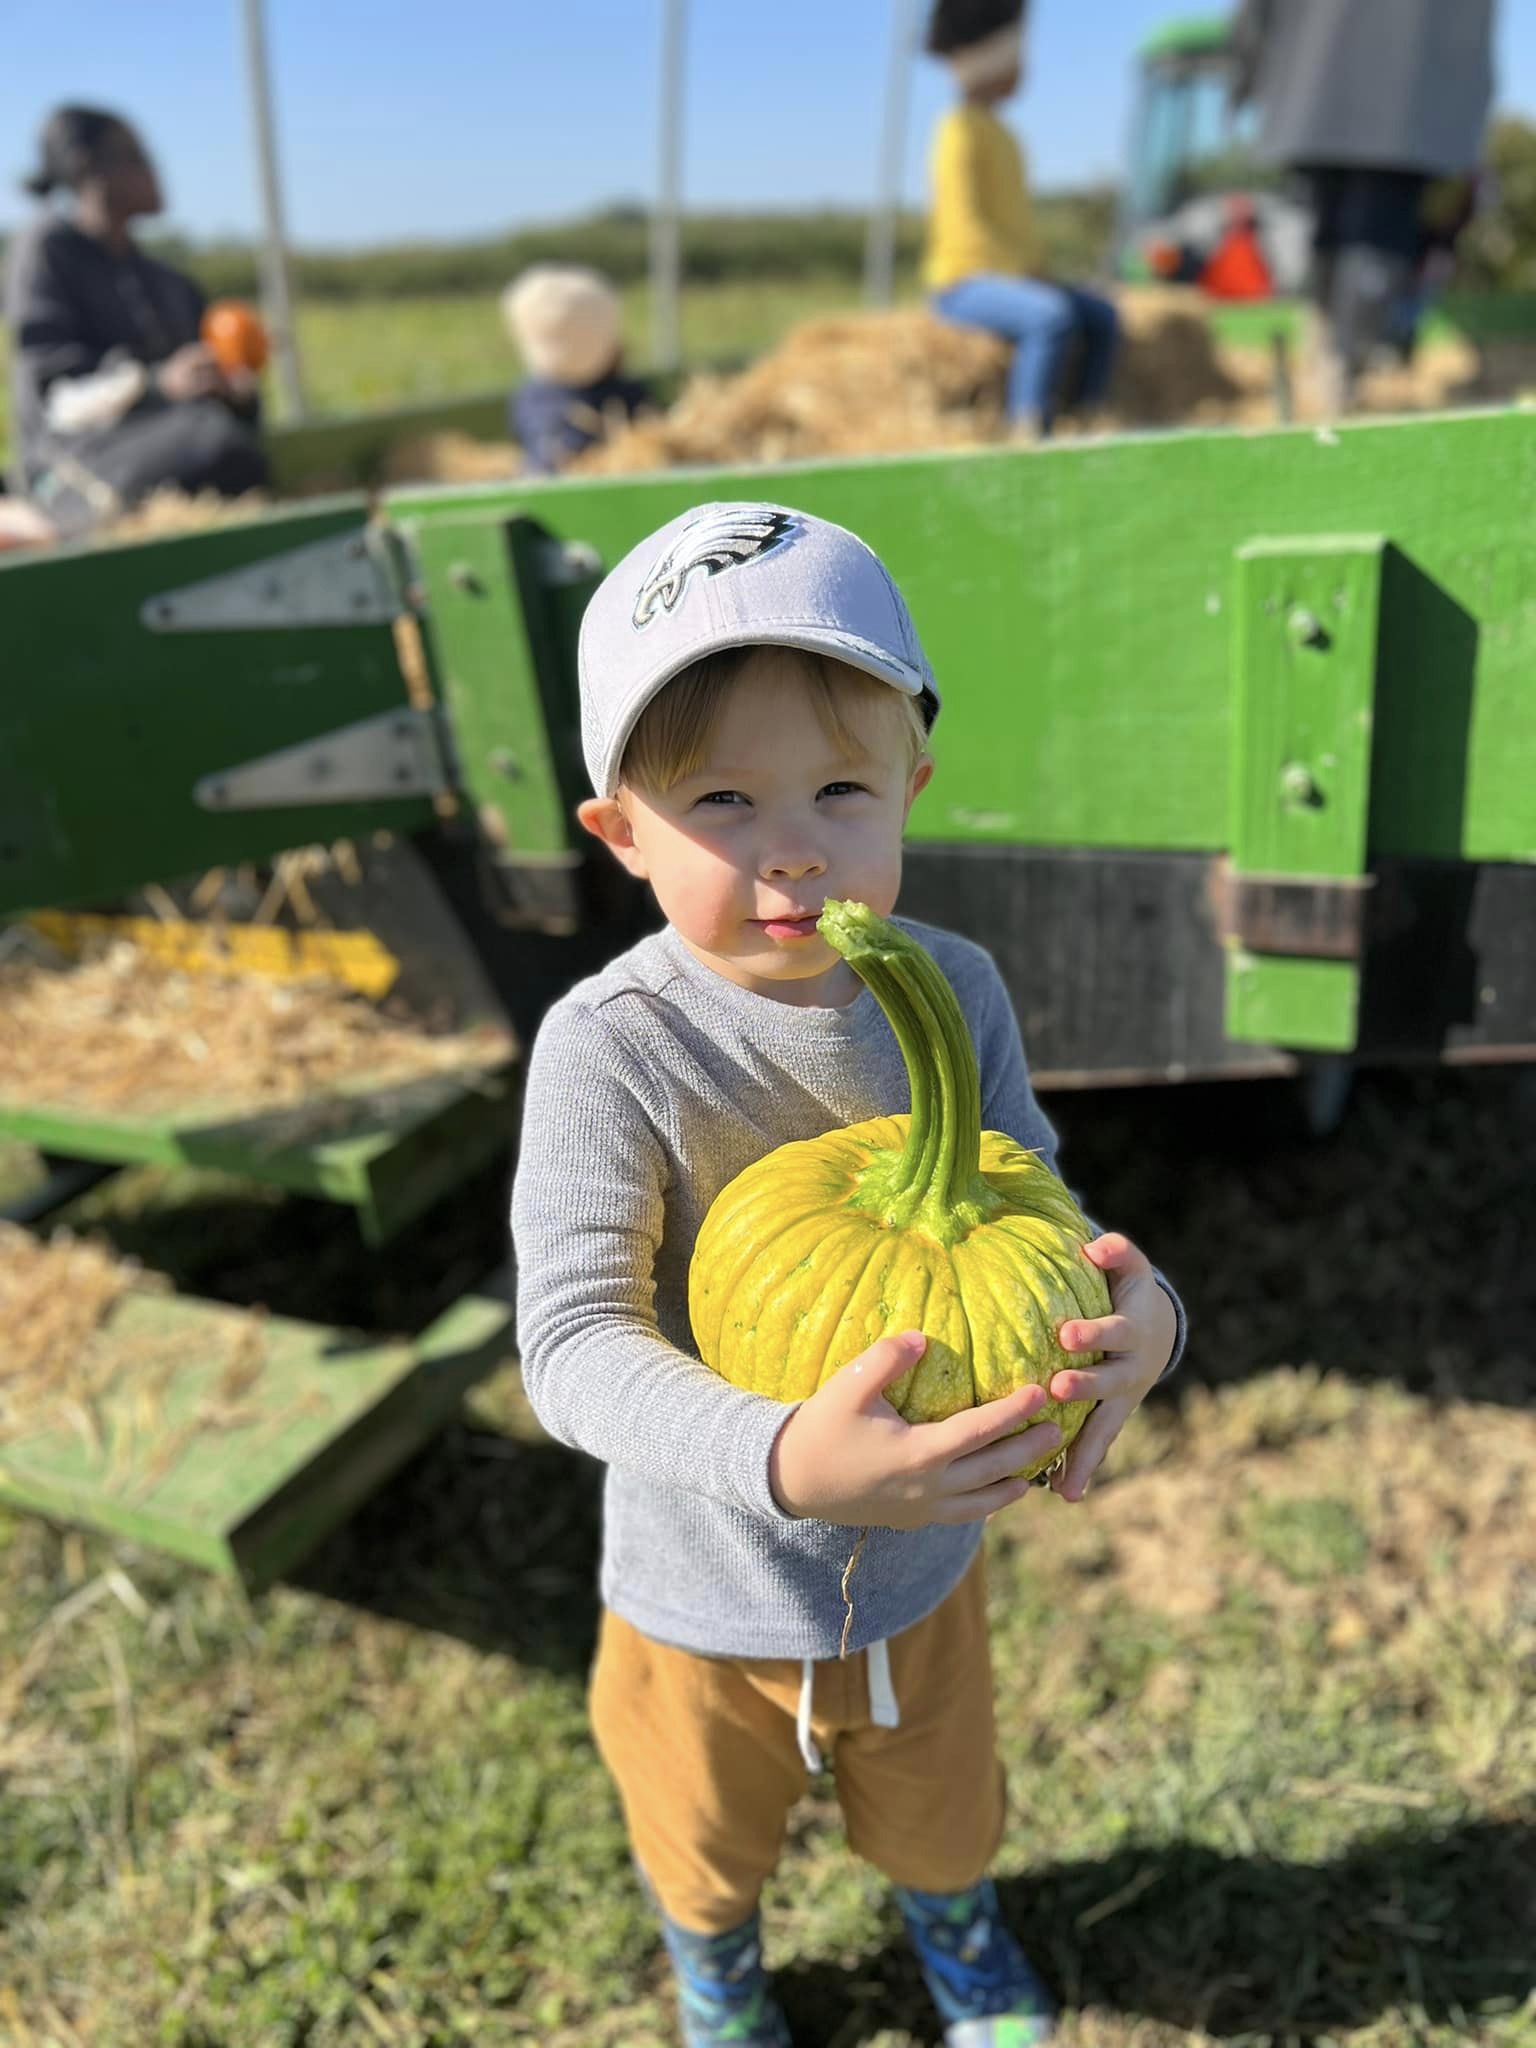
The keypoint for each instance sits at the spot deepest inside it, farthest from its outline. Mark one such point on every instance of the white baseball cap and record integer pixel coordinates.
(735, 575)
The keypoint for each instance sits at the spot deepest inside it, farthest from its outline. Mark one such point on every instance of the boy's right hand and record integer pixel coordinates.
(845, 1455)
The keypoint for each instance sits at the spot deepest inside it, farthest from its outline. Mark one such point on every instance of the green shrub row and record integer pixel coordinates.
(717, 248)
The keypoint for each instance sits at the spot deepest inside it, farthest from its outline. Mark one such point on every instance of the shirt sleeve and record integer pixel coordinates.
(1008, 1104)
(50, 339)
(76, 405)
(588, 1205)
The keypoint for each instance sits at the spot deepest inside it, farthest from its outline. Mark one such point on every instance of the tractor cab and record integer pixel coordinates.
(1195, 206)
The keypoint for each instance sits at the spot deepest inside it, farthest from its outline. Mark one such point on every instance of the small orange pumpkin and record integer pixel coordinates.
(236, 334)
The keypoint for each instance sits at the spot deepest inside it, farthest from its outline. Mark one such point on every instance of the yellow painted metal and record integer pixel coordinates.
(358, 960)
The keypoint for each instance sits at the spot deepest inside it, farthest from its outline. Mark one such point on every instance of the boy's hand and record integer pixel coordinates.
(1137, 1342)
(845, 1455)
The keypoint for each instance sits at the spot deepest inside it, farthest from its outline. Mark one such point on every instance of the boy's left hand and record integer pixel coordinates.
(1137, 1342)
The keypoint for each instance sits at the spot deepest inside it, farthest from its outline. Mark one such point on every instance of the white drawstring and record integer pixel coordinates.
(883, 1709)
(803, 1736)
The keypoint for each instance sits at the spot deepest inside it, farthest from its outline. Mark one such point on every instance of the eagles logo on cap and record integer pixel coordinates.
(721, 538)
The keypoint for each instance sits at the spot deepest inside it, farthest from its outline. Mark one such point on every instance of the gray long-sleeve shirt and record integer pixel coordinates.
(651, 1086)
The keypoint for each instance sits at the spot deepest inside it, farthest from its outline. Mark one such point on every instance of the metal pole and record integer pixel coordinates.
(880, 238)
(276, 299)
(666, 217)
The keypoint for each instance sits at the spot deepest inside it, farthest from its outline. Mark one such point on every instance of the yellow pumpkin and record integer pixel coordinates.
(916, 1222)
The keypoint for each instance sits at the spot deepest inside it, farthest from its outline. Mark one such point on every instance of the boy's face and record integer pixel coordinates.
(777, 820)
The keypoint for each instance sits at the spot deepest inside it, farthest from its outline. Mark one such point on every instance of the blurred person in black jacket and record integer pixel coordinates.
(115, 393)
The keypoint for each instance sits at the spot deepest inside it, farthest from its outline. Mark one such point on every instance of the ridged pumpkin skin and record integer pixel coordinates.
(921, 1221)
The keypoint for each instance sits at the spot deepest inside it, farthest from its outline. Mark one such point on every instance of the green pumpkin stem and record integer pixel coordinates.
(935, 1182)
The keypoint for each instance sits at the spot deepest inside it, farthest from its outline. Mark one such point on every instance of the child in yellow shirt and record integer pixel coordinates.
(983, 258)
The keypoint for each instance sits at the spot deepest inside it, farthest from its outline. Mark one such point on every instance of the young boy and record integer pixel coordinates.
(983, 261)
(755, 715)
(565, 320)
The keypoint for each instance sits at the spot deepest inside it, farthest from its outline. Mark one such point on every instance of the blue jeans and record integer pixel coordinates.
(1042, 321)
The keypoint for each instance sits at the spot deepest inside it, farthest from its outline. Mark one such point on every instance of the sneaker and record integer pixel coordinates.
(988, 1993)
(1005, 2030)
(724, 1994)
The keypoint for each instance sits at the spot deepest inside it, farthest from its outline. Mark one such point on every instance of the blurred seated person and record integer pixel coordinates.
(566, 323)
(984, 266)
(115, 394)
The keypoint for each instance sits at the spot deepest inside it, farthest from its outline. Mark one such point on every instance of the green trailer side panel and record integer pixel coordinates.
(245, 1481)
(105, 724)
(1075, 603)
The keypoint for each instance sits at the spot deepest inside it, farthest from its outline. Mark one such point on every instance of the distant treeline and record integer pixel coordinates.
(1076, 227)
(717, 248)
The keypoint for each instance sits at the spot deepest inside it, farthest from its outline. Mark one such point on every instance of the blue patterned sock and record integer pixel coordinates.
(723, 1990)
(987, 1992)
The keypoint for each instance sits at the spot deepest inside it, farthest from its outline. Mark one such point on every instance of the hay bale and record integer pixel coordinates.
(1171, 371)
(64, 1359)
(857, 384)
(53, 1299)
(122, 1032)
(875, 383)
(871, 383)
(168, 511)
(450, 458)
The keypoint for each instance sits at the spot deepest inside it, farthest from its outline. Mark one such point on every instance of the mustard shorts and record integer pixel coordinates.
(708, 1762)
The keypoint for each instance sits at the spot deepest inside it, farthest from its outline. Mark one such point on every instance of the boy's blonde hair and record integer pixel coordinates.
(565, 320)
(672, 734)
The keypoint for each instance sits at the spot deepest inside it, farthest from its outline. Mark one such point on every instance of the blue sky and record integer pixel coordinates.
(462, 117)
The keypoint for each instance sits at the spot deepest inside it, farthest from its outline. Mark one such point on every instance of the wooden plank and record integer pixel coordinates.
(482, 624)
(466, 1343)
(439, 1153)
(331, 1413)
(1306, 619)
(1305, 1005)
(1304, 689)
(389, 1151)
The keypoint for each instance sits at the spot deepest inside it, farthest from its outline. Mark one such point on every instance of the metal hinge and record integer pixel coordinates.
(345, 580)
(398, 754)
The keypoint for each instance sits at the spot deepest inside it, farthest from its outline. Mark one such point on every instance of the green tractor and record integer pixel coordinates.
(1195, 207)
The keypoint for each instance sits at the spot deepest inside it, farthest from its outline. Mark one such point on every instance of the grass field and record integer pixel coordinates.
(360, 354)
(1265, 1699)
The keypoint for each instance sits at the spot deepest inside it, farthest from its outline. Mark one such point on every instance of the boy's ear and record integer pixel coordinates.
(603, 817)
(922, 775)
